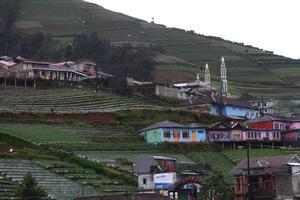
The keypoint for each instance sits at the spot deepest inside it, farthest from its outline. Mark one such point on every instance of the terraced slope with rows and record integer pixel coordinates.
(87, 177)
(69, 101)
(244, 62)
(7, 188)
(56, 186)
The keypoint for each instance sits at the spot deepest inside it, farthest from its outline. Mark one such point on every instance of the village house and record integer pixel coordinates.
(187, 90)
(270, 178)
(229, 107)
(168, 131)
(163, 174)
(265, 106)
(287, 126)
(44, 70)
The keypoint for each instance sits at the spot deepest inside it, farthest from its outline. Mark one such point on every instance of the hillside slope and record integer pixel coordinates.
(249, 69)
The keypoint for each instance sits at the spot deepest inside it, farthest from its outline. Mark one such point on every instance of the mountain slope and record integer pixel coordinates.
(249, 69)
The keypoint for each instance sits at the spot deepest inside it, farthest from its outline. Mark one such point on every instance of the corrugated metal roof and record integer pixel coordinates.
(269, 164)
(163, 124)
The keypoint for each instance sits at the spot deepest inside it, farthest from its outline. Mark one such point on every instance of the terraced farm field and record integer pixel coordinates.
(87, 177)
(102, 133)
(123, 159)
(216, 160)
(55, 185)
(69, 101)
(41, 133)
(7, 188)
(237, 155)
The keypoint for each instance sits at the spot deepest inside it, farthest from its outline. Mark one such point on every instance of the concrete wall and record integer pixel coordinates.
(148, 178)
(229, 110)
(166, 91)
(154, 136)
(195, 135)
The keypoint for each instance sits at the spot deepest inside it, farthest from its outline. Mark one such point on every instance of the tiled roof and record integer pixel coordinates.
(215, 100)
(270, 164)
(164, 124)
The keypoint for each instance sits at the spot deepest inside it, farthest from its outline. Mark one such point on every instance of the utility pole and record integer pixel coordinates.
(97, 78)
(262, 106)
(249, 196)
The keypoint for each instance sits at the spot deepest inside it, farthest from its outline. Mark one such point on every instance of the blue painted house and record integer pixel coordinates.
(230, 107)
(168, 131)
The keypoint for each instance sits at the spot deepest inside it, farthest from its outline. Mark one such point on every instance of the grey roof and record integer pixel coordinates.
(215, 100)
(217, 124)
(196, 125)
(264, 118)
(269, 164)
(144, 162)
(164, 124)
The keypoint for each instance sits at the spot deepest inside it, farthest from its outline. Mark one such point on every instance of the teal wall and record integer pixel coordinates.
(154, 136)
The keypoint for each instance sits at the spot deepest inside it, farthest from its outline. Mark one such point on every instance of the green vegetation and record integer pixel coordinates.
(215, 185)
(70, 101)
(41, 134)
(237, 155)
(216, 160)
(29, 189)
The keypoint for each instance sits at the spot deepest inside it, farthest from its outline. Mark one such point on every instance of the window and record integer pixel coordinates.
(276, 126)
(167, 134)
(144, 181)
(185, 134)
(176, 135)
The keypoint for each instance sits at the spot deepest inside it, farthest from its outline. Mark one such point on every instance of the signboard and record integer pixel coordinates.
(164, 180)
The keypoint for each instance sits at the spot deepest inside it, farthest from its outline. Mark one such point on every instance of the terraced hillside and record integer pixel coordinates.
(69, 101)
(56, 186)
(250, 69)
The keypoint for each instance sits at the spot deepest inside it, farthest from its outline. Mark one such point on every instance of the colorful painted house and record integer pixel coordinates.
(261, 135)
(268, 122)
(219, 132)
(168, 131)
(291, 135)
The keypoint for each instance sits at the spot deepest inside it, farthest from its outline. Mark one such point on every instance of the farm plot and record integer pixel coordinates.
(237, 155)
(7, 188)
(124, 160)
(41, 134)
(56, 186)
(102, 133)
(69, 101)
(87, 177)
(216, 160)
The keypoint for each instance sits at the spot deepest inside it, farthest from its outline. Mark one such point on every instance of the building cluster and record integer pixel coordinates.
(160, 173)
(264, 128)
(23, 69)
(268, 178)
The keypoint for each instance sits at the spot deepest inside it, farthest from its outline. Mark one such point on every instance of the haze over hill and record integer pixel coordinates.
(249, 69)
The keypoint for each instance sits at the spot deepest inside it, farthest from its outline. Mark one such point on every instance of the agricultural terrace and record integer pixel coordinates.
(69, 101)
(41, 133)
(56, 186)
(124, 160)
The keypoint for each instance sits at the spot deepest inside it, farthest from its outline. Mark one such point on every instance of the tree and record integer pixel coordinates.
(215, 187)
(29, 189)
